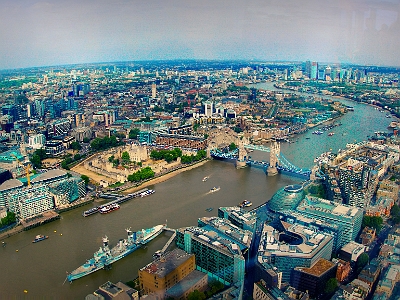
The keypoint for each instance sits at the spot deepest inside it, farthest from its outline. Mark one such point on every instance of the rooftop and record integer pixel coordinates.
(185, 284)
(229, 230)
(319, 268)
(294, 240)
(167, 263)
(49, 175)
(9, 184)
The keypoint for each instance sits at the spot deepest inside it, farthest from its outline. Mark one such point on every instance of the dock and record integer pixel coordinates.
(171, 239)
(45, 217)
(118, 199)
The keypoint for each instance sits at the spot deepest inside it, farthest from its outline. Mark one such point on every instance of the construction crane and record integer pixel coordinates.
(27, 169)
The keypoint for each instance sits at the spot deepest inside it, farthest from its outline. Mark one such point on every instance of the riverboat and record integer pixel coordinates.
(205, 179)
(39, 238)
(331, 133)
(109, 208)
(147, 193)
(245, 203)
(90, 212)
(215, 189)
(209, 209)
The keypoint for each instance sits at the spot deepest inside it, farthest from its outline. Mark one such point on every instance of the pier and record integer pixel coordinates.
(167, 244)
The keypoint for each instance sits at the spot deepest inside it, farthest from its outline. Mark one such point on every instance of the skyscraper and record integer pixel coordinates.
(314, 70)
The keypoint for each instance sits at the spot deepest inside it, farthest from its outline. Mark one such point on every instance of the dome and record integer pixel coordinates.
(286, 198)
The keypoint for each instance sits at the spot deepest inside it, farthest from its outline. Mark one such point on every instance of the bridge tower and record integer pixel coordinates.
(273, 159)
(240, 162)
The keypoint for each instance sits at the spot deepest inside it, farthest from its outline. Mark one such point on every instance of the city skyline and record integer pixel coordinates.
(43, 33)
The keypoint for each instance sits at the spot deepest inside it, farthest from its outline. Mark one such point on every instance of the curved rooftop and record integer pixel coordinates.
(286, 198)
(9, 184)
(49, 175)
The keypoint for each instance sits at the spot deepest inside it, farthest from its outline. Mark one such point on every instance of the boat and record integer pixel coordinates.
(214, 189)
(147, 193)
(39, 238)
(91, 211)
(209, 209)
(331, 133)
(205, 179)
(157, 254)
(105, 256)
(109, 208)
(245, 203)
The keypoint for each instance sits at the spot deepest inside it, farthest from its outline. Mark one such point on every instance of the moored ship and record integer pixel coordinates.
(105, 256)
(109, 208)
(90, 211)
(147, 193)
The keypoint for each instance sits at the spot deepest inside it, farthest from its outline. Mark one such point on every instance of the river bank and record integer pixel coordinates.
(165, 177)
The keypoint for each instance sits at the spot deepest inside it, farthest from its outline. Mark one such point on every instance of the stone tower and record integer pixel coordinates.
(273, 159)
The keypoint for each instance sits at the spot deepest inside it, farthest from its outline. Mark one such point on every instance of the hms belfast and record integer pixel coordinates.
(105, 256)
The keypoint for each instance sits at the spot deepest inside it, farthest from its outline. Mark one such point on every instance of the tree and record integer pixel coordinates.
(196, 295)
(75, 146)
(36, 161)
(86, 140)
(331, 285)
(373, 222)
(395, 214)
(111, 158)
(85, 178)
(133, 133)
(8, 219)
(41, 152)
(77, 156)
(232, 147)
(125, 157)
(362, 261)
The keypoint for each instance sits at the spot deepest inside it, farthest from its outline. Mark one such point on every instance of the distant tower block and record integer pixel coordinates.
(45, 79)
(273, 159)
(153, 90)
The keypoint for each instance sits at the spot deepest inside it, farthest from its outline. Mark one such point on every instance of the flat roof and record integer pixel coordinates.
(185, 284)
(49, 175)
(9, 184)
(167, 263)
(319, 268)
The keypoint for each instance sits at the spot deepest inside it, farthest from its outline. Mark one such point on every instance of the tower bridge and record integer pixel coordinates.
(218, 147)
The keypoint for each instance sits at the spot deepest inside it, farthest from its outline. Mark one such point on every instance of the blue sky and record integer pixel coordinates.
(52, 32)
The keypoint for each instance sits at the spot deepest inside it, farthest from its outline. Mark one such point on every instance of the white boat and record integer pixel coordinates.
(215, 189)
(205, 179)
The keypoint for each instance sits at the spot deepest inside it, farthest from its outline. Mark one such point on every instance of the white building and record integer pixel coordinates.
(37, 141)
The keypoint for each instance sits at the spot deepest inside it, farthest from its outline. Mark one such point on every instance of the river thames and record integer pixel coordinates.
(39, 270)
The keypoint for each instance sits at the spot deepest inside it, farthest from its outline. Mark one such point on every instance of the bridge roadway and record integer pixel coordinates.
(284, 165)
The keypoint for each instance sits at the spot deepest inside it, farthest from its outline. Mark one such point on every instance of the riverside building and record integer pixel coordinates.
(348, 218)
(219, 255)
(287, 246)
